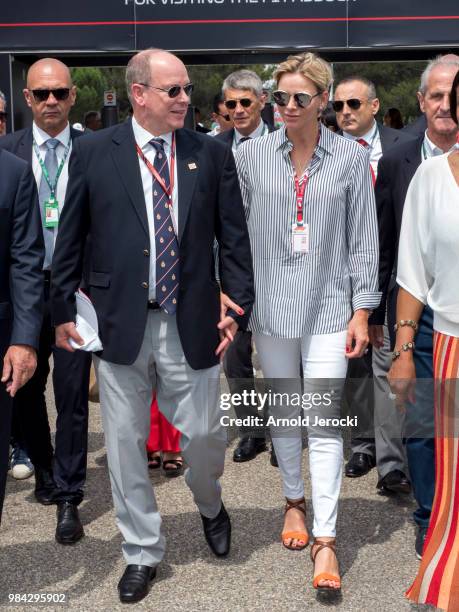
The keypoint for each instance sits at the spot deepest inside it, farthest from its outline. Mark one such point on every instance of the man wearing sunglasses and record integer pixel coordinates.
(244, 101)
(220, 116)
(356, 105)
(47, 145)
(154, 197)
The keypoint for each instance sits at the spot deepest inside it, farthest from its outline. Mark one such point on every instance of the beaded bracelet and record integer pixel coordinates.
(406, 322)
(408, 346)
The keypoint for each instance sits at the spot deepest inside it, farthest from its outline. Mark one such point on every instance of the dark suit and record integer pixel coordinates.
(70, 384)
(395, 171)
(366, 390)
(21, 279)
(148, 349)
(238, 364)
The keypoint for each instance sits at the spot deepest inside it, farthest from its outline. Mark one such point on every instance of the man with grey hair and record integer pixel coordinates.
(154, 196)
(3, 114)
(396, 169)
(244, 100)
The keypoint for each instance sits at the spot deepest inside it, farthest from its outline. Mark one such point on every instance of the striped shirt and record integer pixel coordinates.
(315, 292)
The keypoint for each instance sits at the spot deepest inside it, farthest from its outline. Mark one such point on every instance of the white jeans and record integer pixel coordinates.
(322, 357)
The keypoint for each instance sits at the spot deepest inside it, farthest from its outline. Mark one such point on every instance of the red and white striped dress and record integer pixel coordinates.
(437, 582)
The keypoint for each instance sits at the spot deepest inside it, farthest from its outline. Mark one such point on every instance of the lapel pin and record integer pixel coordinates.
(192, 166)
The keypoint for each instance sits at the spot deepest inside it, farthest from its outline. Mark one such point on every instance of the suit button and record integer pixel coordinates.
(146, 252)
(145, 285)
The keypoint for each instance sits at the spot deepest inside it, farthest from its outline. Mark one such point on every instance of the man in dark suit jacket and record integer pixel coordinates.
(154, 197)
(59, 475)
(356, 104)
(21, 289)
(396, 169)
(243, 97)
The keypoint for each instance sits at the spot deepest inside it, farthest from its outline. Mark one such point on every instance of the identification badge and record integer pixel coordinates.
(300, 238)
(51, 213)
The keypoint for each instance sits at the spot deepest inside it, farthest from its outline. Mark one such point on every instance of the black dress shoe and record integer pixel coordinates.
(394, 482)
(69, 528)
(218, 532)
(45, 487)
(273, 457)
(135, 582)
(359, 465)
(248, 448)
(420, 539)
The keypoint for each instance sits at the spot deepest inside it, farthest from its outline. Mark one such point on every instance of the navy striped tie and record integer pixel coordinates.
(167, 257)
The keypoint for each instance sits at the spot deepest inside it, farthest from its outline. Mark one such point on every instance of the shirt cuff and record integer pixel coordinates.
(368, 300)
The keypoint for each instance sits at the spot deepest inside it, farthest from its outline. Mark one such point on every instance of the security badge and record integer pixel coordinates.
(300, 238)
(51, 212)
(192, 166)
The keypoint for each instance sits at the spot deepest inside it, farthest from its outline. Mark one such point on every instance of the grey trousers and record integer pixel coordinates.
(372, 398)
(189, 400)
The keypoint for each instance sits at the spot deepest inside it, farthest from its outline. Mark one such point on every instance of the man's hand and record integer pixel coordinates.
(357, 332)
(19, 364)
(64, 332)
(227, 327)
(402, 379)
(376, 335)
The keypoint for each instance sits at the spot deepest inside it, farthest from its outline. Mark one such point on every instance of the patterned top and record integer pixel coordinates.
(313, 292)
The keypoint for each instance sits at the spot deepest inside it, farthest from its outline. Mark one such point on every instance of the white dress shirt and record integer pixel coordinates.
(260, 130)
(374, 145)
(142, 138)
(429, 149)
(63, 137)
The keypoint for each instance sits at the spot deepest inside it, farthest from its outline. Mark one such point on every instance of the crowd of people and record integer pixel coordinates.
(329, 245)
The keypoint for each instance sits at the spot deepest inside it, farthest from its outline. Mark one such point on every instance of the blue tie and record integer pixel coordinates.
(167, 257)
(43, 194)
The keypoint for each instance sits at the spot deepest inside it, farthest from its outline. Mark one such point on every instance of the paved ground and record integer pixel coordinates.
(375, 535)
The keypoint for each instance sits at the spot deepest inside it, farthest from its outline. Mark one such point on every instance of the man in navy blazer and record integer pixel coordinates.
(21, 289)
(154, 197)
(60, 473)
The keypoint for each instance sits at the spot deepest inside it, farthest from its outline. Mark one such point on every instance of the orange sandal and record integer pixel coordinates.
(324, 575)
(299, 504)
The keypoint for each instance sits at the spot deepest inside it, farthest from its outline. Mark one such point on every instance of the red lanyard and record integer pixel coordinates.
(167, 190)
(300, 188)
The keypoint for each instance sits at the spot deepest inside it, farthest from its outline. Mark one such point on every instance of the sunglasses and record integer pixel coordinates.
(3, 116)
(302, 98)
(173, 91)
(244, 102)
(41, 95)
(353, 104)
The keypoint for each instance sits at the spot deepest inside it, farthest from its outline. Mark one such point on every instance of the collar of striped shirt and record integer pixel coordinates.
(325, 140)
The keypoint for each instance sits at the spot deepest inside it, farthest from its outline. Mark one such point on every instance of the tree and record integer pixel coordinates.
(91, 83)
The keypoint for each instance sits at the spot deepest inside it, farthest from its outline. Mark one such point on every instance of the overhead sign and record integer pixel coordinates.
(225, 25)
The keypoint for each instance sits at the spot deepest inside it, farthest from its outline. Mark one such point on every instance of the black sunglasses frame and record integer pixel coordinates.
(244, 102)
(278, 98)
(225, 117)
(173, 91)
(352, 103)
(42, 95)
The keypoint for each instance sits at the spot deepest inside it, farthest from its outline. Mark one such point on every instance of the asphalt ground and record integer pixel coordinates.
(375, 547)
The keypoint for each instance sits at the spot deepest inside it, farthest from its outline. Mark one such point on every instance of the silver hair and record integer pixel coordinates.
(440, 60)
(138, 69)
(243, 79)
(3, 97)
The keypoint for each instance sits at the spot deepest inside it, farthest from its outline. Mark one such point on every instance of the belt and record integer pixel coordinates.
(153, 305)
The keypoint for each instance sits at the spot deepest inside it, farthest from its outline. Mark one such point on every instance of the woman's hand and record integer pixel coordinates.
(357, 334)
(402, 379)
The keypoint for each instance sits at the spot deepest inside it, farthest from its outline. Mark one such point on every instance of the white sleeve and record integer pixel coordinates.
(413, 252)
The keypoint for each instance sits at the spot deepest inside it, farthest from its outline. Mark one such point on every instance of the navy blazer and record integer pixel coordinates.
(21, 254)
(395, 171)
(228, 135)
(105, 197)
(20, 143)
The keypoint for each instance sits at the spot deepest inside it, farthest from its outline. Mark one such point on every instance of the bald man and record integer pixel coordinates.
(47, 146)
(154, 196)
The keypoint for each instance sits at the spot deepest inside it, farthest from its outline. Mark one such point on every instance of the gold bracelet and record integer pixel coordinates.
(405, 323)
(408, 346)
